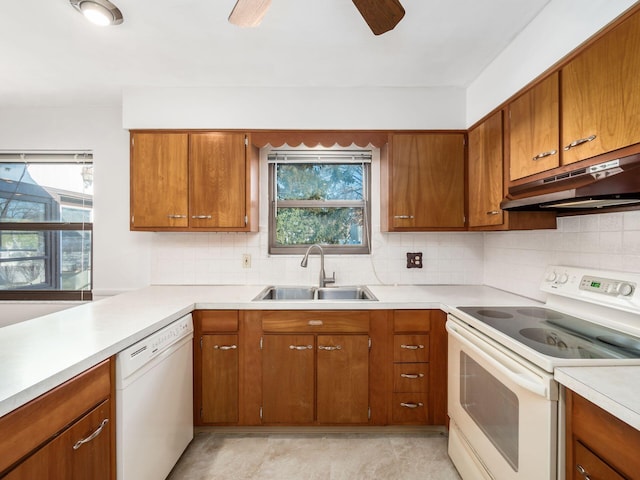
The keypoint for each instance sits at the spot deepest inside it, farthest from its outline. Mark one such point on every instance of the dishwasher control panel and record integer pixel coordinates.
(139, 354)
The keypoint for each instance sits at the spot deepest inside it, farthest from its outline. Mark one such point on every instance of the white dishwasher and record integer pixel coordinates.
(154, 402)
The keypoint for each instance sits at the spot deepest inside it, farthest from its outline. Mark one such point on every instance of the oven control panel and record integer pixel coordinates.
(603, 287)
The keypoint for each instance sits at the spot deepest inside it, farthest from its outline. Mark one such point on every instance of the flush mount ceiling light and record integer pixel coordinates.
(380, 15)
(100, 12)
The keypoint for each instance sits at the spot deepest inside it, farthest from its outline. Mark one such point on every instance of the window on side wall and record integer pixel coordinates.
(46, 223)
(319, 196)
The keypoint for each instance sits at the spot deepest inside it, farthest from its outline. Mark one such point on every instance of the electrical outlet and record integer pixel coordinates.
(246, 260)
(414, 260)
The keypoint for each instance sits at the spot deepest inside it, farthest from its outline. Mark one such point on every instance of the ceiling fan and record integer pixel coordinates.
(380, 15)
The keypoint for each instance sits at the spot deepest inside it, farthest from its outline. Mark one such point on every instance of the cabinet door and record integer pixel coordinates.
(426, 181)
(159, 180)
(600, 95)
(534, 123)
(217, 180)
(485, 173)
(219, 379)
(343, 379)
(80, 452)
(589, 465)
(288, 379)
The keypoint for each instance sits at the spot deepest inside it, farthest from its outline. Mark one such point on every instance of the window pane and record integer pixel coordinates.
(311, 181)
(75, 269)
(43, 192)
(331, 226)
(22, 259)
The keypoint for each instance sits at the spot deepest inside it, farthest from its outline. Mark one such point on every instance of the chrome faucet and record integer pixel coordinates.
(323, 279)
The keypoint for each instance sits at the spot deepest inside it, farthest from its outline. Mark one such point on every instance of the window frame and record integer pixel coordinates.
(323, 157)
(52, 254)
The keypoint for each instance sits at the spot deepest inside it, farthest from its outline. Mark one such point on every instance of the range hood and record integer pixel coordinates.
(613, 183)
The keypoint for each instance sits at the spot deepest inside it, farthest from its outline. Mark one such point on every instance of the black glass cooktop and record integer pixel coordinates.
(557, 334)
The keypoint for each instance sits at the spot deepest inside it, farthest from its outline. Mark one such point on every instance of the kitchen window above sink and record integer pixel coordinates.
(278, 293)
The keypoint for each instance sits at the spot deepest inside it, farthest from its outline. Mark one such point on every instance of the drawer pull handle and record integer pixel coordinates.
(493, 212)
(201, 217)
(79, 443)
(583, 472)
(580, 141)
(225, 347)
(412, 375)
(403, 217)
(411, 405)
(542, 155)
(315, 323)
(330, 347)
(300, 347)
(411, 347)
(176, 216)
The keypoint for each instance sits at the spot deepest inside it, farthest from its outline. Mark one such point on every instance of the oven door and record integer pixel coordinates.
(503, 411)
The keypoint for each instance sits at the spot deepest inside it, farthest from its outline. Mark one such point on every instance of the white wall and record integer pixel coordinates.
(515, 261)
(121, 258)
(559, 28)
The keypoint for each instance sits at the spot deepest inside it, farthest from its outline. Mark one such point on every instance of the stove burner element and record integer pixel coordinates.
(541, 313)
(494, 314)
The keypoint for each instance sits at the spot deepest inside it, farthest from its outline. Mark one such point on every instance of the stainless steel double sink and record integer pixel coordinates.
(315, 293)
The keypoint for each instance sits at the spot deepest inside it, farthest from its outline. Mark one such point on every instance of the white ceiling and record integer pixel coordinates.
(50, 55)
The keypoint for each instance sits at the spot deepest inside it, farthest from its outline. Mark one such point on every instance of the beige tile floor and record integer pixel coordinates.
(315, 456)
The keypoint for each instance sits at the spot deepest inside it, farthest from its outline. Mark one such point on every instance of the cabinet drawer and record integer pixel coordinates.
(411, 321)
(409, 408)
(37, 421)
(411, 348)
(212, 321)
(411, 377)
(589, 465)
(307, 321)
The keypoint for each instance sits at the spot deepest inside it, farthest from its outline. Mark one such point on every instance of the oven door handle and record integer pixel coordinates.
(519, 379)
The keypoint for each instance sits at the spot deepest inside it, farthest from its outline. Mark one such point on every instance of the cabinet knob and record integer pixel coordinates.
(411, 347)
(201, 217)
(225, 347)
(79, 443)
(583, 472)
(403, 217)
(175, 215)
(330, 347)
(544, 155)
(493, 212)
(412, 375)
(300, 347)
(580, 141)
(411, 405)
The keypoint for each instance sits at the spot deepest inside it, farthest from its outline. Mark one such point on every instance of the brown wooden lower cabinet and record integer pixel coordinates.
(599, 445)
(67, 433)
(320, 367)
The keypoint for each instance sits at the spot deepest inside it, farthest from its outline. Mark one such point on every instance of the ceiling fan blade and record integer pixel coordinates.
(380, 15)
(249, 13)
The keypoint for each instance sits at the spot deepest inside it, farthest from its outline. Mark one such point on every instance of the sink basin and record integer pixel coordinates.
(314, 293)
(345, 293)
(286, 293)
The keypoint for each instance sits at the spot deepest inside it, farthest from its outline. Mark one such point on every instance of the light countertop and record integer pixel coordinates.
(39, 354)
(613, 389)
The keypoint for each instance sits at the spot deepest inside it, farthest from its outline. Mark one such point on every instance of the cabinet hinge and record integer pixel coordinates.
(260, 343)
(133, 141)
(260, 413)
(132, 217)
(200, 413)
(246, 220)
(201, 343)
(246, 141)
(369, 343)
(369, 413)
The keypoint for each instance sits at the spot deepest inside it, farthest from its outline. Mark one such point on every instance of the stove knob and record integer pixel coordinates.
(624, 289)
(563, 278)
(551, 276)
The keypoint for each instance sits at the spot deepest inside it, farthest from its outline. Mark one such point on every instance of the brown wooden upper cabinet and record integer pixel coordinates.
(204, 181)
(590, 106)
(423, 182)
(534, 121)
(486, 185)
(601, 94)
